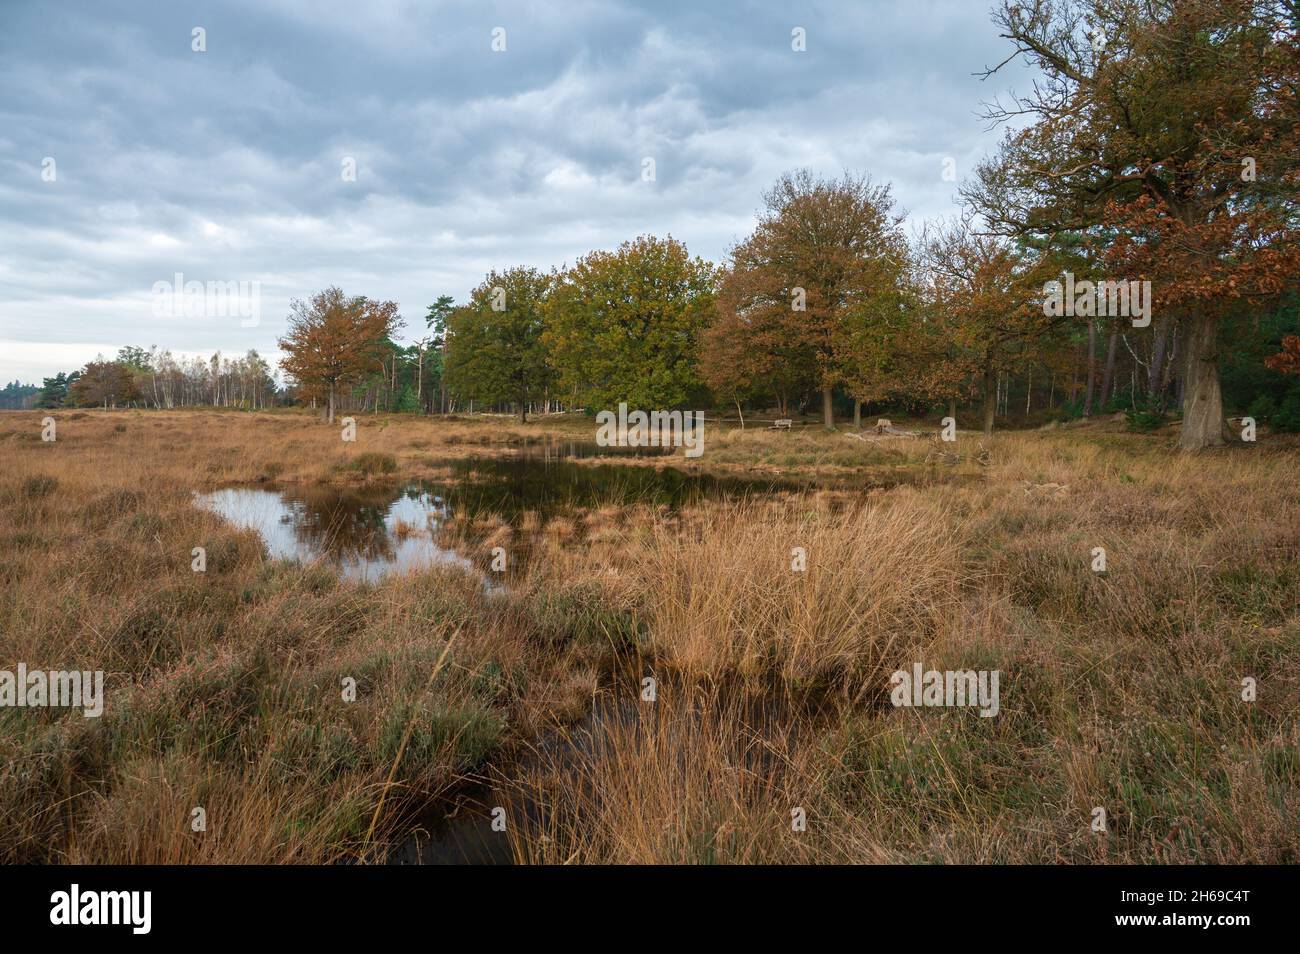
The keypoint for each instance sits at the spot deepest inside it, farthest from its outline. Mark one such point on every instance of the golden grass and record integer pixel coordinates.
(809, 593)
(1120, 690)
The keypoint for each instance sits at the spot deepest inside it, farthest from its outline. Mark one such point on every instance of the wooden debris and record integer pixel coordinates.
(1059, 491)
(885, 427)
(940, 456)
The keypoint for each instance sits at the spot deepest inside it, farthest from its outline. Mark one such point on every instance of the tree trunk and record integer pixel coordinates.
(952, 408)
(741, 413)
(990, 398)
(1171, 368)
(828, 412)
(1202, 399)
(1155, 372)
(1092, 368)
(1108, 373)
(331, 417)
(523, 412)
(857, 414)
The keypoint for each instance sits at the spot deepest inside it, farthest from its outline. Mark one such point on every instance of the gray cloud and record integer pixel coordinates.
(226, 165)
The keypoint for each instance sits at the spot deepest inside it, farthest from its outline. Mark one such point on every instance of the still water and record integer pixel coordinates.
(368, 531)
(363, 533)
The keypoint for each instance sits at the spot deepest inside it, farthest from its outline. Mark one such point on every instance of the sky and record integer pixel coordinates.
(401, 150)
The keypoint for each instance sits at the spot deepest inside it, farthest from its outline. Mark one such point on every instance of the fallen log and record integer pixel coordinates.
(885, 427)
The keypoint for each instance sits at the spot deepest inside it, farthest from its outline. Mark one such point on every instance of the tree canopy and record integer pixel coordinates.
(334, 340)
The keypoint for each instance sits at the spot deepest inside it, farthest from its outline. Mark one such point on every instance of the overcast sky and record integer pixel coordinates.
(229, 165)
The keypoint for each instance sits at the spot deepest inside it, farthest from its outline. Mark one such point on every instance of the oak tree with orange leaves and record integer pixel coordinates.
(984, 310)
(805, 291)
(754, 347)
(334, 340)
(1176, 125)
(1286, 361)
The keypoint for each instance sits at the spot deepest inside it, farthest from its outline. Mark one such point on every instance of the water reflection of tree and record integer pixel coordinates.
(351, 524)
(508, 486)
(346, 524)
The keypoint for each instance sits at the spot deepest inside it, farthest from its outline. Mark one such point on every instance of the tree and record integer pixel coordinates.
(754, 347)
(54, 391)
(986, 307)
(828, 252)
(494, 342)
(732, 369)
(103, 383)
(335, 340)
(436, 321)
(867, 352)
(17, 395)
(435, 318)
(1286, 361)
(1175, 124)
(626, 325)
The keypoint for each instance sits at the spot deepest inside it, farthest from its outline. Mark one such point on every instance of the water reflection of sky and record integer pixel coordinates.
(358, 533)
(367, 531)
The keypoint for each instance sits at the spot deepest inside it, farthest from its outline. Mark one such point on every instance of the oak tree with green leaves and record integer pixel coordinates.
(626, 325)
(495, 351)
(821, 281)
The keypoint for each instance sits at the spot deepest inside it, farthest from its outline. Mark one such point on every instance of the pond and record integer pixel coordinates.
(367, 531)
(546, 483)
(363, 533)
(371, 530)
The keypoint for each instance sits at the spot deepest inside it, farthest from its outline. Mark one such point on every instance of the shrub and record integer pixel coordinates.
(39, 485)
(1144, 421)
(1262, 408)
(1287, 417)
(373, 463)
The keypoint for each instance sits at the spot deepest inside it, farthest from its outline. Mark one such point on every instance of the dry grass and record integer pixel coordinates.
(225, 688)
(727, 596)
(1120, 690)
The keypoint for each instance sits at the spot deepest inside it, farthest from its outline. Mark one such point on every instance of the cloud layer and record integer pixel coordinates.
(229, 165)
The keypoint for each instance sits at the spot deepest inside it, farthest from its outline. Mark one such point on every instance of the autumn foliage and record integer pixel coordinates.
(335, 340)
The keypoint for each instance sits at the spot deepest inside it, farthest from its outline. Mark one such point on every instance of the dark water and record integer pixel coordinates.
(759, 722)
(370, 530)
(460, 831)
(553, 449)
(541, 481)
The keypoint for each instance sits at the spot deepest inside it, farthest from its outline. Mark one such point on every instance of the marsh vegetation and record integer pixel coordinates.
(223, 688)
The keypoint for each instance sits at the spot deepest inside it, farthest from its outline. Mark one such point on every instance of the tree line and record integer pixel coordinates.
(140, 377)
(1152, 179)
(1159, 160)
